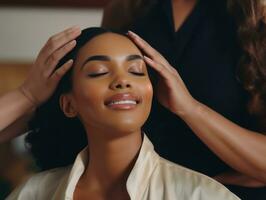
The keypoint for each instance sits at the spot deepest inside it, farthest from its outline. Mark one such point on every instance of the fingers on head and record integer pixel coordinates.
(60, 72)
(58, 55)
(60, 40)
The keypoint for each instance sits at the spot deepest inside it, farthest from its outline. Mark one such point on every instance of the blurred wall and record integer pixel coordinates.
(23, 31)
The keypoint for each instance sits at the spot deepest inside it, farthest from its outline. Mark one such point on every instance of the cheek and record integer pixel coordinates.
(89, 98)
(147, 95)
(147, 92)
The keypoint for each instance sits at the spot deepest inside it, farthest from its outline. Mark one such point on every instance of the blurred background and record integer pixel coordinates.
(25, 26)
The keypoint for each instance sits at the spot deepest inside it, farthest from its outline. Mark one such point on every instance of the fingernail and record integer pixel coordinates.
(70, 61)
(73, 42)
(132, 33)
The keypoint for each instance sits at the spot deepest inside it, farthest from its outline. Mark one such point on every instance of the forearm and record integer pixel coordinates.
(236, 178)
(240, 148)
(17, 128)
(13, 106)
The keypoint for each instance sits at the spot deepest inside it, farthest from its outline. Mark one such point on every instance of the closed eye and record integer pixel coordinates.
(93, 75)
(138, 73)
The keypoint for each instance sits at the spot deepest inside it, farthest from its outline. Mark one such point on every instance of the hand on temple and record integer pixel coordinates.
(42, 79)
(39, 85)
(171, 90)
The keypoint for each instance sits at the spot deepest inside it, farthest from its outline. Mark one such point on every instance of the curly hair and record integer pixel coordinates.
(251, 29)
(55, 140)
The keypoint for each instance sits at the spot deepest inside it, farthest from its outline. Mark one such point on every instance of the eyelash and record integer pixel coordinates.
(101, 74)
(96, 75)
(138, 73)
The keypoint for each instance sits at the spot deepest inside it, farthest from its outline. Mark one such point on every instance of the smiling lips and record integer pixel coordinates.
(123, 101)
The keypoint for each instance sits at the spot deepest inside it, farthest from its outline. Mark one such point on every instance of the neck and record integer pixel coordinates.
(181, 10)
(111, 159)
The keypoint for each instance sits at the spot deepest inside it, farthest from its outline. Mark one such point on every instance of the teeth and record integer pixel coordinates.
(123, 102)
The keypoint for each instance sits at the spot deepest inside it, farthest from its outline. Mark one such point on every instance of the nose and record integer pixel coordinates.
(120, 82)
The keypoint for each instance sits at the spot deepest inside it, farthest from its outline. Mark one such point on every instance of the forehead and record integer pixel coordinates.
(110, 44)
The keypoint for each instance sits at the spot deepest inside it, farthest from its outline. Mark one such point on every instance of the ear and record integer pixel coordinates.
(67, 105)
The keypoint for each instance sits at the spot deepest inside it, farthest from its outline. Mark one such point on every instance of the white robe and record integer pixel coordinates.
(152, 178)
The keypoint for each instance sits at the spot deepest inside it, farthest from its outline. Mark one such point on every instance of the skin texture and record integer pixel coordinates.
(181, 10)
(113, 132)
(38, 86)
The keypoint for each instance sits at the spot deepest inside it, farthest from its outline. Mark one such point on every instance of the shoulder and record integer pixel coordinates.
(192, 184)
(41, 185)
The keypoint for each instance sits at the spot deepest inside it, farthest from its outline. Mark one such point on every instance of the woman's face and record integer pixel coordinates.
(111, 88)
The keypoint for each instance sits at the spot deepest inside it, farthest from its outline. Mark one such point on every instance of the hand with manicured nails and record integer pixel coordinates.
(171, 90)
(42, 79)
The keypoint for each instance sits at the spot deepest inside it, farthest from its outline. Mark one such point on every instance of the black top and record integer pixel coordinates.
(205, 53)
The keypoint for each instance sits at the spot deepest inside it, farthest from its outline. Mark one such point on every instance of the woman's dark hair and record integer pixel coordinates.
(251, 28)
(55, 140)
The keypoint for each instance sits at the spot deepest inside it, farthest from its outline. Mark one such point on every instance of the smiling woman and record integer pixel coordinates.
(103, 101)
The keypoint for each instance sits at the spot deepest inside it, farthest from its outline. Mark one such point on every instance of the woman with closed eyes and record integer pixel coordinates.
(98, 110)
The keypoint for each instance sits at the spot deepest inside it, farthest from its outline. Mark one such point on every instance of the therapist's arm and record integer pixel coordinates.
(18, 105)
(15, 111)
(237, 178)
(242, 149)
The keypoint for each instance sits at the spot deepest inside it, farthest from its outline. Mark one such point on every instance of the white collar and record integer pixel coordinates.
(139, 175)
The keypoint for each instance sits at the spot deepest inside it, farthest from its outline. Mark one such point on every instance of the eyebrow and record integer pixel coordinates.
(134, 57)
(107, 58)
